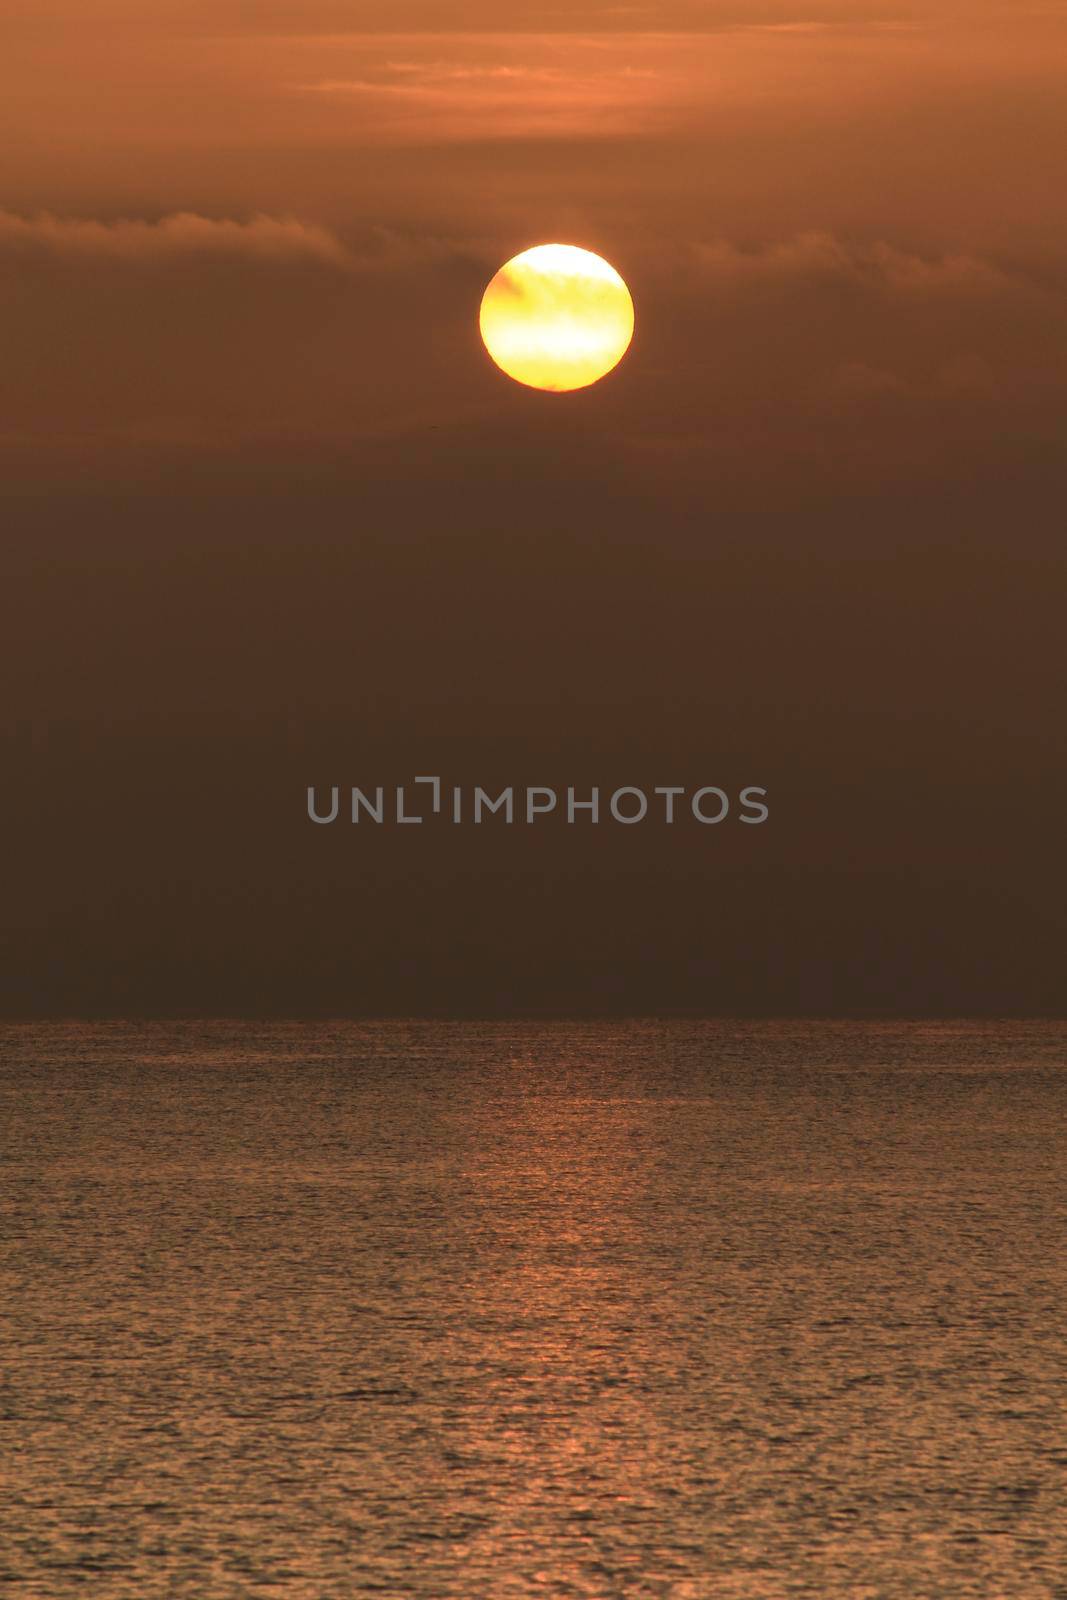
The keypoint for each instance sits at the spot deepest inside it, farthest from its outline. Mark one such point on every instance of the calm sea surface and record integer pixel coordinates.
(436, 1311)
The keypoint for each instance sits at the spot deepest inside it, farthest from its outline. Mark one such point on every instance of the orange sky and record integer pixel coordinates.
(816, 515)
(716, 144)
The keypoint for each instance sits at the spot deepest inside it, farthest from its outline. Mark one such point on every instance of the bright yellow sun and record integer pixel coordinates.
(557, 318)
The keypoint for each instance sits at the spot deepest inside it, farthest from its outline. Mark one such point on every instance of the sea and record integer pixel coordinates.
(473, 1311)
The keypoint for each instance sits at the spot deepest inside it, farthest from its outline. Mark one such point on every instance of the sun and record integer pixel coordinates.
(557, 318)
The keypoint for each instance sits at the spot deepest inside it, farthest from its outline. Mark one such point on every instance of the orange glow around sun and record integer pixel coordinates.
(556, 317)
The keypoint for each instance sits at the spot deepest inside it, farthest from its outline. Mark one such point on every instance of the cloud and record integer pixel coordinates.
(378, 337)
(368, 248)
(542, 87)
(915, 347)
(814, 258)
(185, 234)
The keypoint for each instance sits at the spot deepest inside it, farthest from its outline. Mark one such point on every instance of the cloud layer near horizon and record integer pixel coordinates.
(164, 334)
(184, 234)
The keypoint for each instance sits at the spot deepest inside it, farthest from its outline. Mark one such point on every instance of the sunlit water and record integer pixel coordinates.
(439, 1311)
